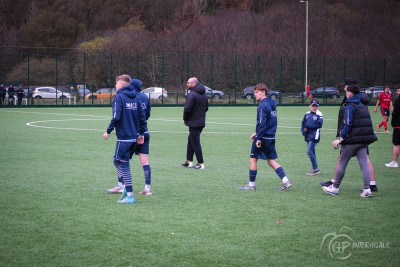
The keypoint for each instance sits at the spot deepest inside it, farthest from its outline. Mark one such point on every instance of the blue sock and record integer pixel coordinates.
(252, 175)
(147, 174)
(129, 189)
(281, 173)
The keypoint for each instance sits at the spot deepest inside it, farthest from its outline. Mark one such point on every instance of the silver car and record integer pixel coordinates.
(155, 92)
(211, 93)
(214, 94)
(374, 91)
(49, 92)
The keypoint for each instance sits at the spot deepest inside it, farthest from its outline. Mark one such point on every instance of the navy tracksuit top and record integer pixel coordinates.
(143, 98)
(313, 122)
(128, 116)
(267, 120)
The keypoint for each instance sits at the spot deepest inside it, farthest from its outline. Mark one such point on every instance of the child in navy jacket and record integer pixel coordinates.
(311, 130)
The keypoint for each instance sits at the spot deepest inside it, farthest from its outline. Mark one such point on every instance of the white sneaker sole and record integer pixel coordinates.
(366, 196)
(391, 166)
(146, 194)
(286, 188)
(330, 193)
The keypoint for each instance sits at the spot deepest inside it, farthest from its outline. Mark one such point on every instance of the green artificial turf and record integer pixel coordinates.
(54, 209)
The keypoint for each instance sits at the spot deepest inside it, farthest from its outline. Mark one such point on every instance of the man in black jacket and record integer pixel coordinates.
(11, 94)
(364, 98)
(355, 135)
(3, 93)
(396, 132)
(20, 94)
(194, 116)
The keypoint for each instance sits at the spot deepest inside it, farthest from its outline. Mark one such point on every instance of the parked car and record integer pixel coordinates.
(102, 93)
(211, 93)
(49, 92)
(214, 94)
(248, 93)
(155, 92)
(374, 91)
(83, 92)
(323, 92)
(28, 92)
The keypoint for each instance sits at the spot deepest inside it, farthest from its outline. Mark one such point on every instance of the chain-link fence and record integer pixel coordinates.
(82, 78)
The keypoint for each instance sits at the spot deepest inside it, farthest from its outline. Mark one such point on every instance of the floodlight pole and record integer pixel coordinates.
(306, 71)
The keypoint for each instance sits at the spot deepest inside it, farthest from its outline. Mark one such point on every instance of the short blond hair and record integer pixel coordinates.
(125, 78)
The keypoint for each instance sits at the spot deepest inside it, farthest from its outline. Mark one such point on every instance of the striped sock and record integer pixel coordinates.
(117, 165)
(126, 173)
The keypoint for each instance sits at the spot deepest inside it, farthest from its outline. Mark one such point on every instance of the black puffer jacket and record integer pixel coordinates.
(3, 91)
(361, 130)
(364, 99)
(11, 92)
(395, 122)
(196, 106)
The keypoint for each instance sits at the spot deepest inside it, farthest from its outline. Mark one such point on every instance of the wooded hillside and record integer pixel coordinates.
(361, 28)
(365, 30)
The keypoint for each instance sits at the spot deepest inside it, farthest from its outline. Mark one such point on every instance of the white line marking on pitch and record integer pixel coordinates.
(34, 124)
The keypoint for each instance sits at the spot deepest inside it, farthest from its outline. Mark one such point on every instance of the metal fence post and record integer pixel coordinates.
(212, 70)
(365, 69)
(212, 75)
(235, 88)
(303, 82)
(162, 76)
(258, 68)
(111, 74)
(137, 64)
(29, 79)
(280, 81)
(57, 82)
(324, 79)
(187, 66)
(84, 76)
(384, 72)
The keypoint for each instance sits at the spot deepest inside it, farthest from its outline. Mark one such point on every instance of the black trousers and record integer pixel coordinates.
(193, 145)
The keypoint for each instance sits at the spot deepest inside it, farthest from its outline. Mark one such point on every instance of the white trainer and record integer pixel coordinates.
(199, 166)
(146, 192)
(331, 190)
(187, 164)
(392, 164)
(116, 190)
(366, 193)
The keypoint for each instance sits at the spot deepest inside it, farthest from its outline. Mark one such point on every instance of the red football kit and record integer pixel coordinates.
(385, 100)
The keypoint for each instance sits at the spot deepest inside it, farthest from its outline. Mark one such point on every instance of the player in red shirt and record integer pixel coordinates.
(385, 101)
